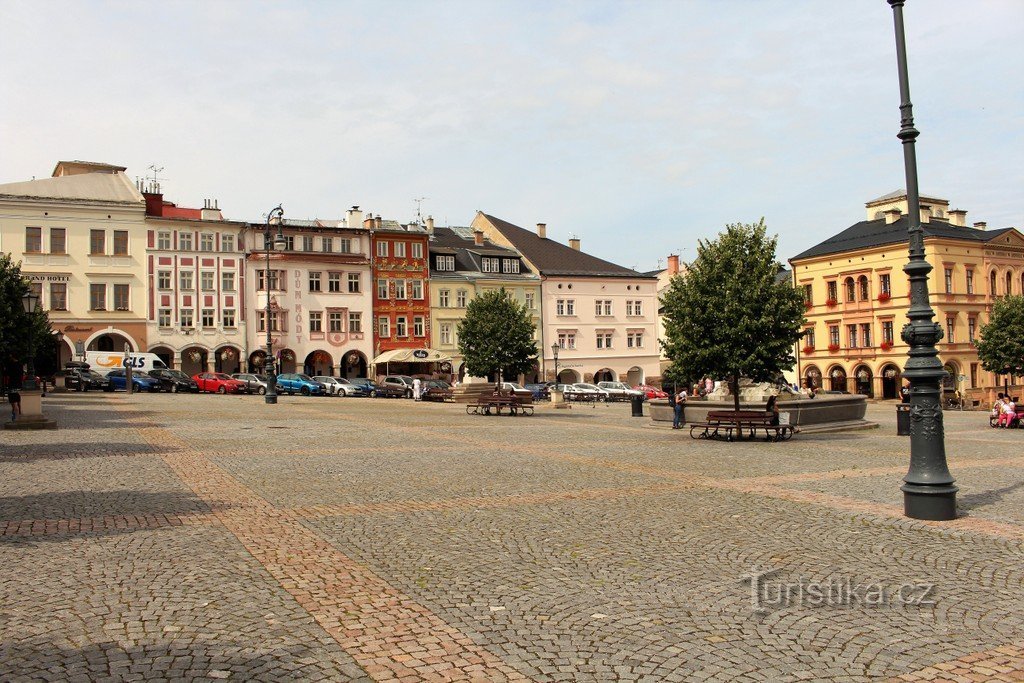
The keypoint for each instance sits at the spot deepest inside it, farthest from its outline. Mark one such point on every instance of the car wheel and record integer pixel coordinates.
(262, 391)
(373, 393)
(174, 388)
(305, 391)
(222, 389)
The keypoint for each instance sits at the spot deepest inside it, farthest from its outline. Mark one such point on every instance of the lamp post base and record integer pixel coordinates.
(270, 400)
(933, 503)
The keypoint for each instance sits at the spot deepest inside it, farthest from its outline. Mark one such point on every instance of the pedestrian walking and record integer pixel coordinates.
(678, 403)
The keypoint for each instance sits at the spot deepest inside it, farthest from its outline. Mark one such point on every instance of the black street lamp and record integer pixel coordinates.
(554, 352)
(30, 302)
(275, 217)
(928, 488)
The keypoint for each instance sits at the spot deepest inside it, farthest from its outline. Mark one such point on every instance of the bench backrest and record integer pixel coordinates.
(736, 415)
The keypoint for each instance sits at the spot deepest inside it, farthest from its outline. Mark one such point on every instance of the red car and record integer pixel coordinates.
(651, 392)
(219, 382)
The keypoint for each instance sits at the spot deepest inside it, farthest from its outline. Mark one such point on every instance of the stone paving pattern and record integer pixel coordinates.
(159, 537)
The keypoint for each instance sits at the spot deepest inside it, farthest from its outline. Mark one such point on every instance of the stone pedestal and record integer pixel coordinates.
(31, 413)
(558, 399)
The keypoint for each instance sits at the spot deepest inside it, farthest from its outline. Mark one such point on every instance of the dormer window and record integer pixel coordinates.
(490, 264)
(446, 263)
(510, 265)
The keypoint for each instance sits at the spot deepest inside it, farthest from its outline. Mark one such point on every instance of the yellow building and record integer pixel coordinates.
(857, 297)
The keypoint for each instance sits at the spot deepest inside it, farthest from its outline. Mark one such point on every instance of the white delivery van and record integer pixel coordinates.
(105, 361)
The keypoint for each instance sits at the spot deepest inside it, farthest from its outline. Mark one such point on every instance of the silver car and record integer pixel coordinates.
(619, 391)
(254, 384)
(337, 386)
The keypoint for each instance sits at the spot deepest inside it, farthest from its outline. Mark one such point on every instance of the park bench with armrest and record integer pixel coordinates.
(495, 403)
(733, 424)
(1017, 421)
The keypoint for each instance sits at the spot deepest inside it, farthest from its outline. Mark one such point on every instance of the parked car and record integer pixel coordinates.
(619, 391)
(436, 390)
(218, 382)
(360, 386)
(140, 381)
(254, 384)
(80, 377)
(292, 382)
(517, 389)
(651, 392)
(338, 386)
(375, 390)
(541, 392)
(592, 391)
(571, 392)
(403, 382)
(174, 381)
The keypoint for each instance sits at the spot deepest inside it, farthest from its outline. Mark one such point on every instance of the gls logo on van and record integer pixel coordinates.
(134, 362)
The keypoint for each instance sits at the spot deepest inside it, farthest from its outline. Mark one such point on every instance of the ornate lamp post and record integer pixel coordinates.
(554, 352)
(30, 302)
(928, 488)
(275, 217)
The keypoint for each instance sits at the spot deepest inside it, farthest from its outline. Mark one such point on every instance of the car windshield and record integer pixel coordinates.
(305, 378)
(261, 378)
(92, 374)
(513, 385)
(221, 375)
(177, 374)
(584, 385)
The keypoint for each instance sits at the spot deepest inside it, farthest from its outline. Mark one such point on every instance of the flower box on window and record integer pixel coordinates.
(808, 305)
(833, 348)
(886, 345)
(883, 297)
(830, 302)
(808, 349)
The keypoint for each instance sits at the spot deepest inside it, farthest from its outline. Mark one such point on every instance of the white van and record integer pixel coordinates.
(105, 361)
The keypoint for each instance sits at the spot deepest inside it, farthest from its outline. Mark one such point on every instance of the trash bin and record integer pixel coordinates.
(902, 419)
(638, 405)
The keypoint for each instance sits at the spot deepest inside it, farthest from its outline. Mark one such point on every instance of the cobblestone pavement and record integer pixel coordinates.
(159, 537)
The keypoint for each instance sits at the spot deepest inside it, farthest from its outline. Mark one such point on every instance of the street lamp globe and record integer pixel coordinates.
(30, 302)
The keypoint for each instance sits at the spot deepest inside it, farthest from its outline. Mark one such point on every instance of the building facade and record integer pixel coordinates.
(602, 316)
(857, 297)
(81, 238)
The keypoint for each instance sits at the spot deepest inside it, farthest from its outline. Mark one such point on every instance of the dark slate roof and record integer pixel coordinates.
(553, 258)
(877, 233)
(467, 254)
(785, 275)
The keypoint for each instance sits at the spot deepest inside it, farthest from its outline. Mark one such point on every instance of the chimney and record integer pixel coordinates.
(574, 242)
(673, 264)
(378, 222)
(154, 202)
(368, 223)
(430, 225)
(958, 217)
(542, 230)
(354, 218)
(478, 238)
(926, 213)
(892, 215)
(981, 225)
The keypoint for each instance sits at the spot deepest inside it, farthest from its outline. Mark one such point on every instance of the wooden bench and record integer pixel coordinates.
(493, 405)
(1018, 421)
(732, 424)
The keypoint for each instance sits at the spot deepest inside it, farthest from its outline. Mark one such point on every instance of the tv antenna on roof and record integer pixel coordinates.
(419, 205)
(155, 180)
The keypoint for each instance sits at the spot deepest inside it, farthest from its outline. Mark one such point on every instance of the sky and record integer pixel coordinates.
(641, 127)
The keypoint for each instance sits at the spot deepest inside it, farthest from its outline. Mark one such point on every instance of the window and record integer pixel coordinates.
(355, 322)
(206, 244)
(163, 317)
(1009, 282)
(206, 279)
(121, 298)
(992, 283)
(314, 281)
(417, 250)
(865, 335)
(344, 245)
(97, 297)
(382, 249)
(974, 374)
(185, 280)
(510, 265)
(399, 249)
(833, 335)
(530, 303)
(809, 337)
(207, 317)
(163, 279)
(417, 289)
(400, 292)
(58, 296)
(972, 328)
(120, 243)
(460, 298)
(635, 340)
(446, 334)
(949, 280)
(970, 281)
(851, 290)
(851, 335)
(383, 326)
(949, 330)
(833, 294)
(443, 298)
(602, 307)
(277, 280)
(419, 326)
(98, 243)
(228, 317)
(401, 326)
(604, 340)
(227, 281)
(334, 282)
(163, 240)
(227, 243)
(354, 283)
(634, 308)
(885, 284)
(565, 307)
(289, 242)
(334, 321)
(307, 243)
(446, 263)
(887, 332)
(862, 285)
(185, 242)
(326, 245)
(276, 321)
(316, 321)
(58, 241)
(567, 340)
(490, 264)
(808, 294)
(186, 318)
(382, 289)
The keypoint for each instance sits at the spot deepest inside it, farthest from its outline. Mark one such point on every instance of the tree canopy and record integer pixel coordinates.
(729, 316)
(497, 336)
(20, 333)
(1001, 346)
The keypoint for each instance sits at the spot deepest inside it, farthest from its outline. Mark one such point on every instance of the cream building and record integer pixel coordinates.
(602, 316)
(81, 238)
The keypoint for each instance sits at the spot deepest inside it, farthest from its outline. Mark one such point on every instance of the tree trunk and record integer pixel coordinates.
(736, 391)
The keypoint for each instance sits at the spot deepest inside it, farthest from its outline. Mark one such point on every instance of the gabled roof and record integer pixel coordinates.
(877, 233)
(95, 187)
(467, 254)
(553, 258)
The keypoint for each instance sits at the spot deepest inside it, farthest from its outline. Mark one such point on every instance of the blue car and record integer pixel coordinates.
(292, 383)
(140, 381)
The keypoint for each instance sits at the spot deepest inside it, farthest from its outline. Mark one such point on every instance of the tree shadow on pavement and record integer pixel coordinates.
(29, 453)
(975, 501)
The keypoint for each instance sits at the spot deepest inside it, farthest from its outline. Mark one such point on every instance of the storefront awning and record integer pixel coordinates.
(412, 356)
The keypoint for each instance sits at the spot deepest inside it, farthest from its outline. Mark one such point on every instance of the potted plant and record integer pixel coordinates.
(808, 349)
(883, 297)
(886, 345)
(833, 348)
(830, 302)
(808, 304)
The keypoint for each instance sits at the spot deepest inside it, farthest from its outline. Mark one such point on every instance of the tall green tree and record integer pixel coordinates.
(496, 336)
(20, 332)
(729, 317)
(1001, 346)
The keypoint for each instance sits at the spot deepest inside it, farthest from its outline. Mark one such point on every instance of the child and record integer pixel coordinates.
(14, 397)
